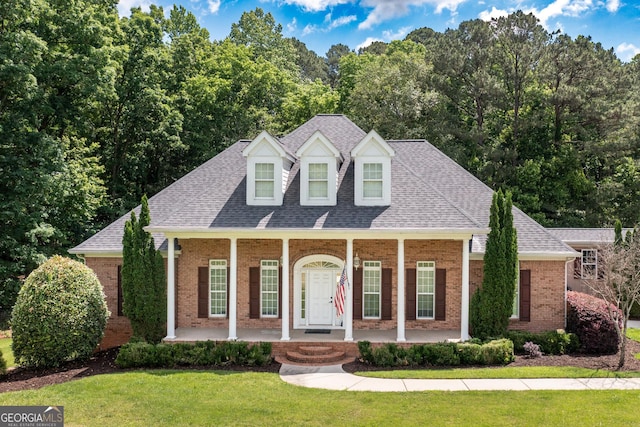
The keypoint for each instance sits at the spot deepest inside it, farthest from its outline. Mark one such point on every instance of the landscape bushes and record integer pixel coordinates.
(551, 342)
(588, 317)
(60, 314)
(496, 352)
(204, 353)
(3, 364)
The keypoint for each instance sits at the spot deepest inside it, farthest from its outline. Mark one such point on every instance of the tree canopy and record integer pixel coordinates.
(97, 110)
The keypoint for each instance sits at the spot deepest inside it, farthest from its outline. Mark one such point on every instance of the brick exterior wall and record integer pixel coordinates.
(118, 330)
(547, 294)
(547, 282)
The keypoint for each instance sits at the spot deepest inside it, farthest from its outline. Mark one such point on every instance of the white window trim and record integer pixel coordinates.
(256, 180)
(220, 264)
(584, 275)
(331, 179)
(431, 267)
(373, 265)
(265, 265)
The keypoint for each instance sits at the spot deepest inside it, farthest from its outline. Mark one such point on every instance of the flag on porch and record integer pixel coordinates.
(338, 301)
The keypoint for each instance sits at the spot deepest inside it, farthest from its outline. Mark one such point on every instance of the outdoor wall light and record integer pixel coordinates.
(356, 261)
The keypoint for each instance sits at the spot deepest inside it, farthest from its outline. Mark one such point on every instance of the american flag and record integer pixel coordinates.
(338, 301)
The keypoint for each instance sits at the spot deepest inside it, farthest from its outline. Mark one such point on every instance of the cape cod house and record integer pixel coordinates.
(257, 237)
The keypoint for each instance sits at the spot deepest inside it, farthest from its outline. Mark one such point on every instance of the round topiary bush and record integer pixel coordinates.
(60, 314)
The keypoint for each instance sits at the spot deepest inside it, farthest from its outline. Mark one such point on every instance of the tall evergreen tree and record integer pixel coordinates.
(492, 304)
(143, 279)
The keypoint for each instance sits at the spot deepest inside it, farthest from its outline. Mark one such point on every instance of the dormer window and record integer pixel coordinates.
(265, 180)
(319, 164)
(268, 166)
(318, 181)
(372, 182)
(372, 158)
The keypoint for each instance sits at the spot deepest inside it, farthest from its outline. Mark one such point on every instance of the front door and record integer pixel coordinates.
(321, 288)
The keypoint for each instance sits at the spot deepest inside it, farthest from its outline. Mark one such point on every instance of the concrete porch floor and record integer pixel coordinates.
(299, 335)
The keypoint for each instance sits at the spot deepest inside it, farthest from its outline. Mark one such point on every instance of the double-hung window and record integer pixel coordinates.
(372, 186)
(371, 287)
(589, 269)
(265, 180)
(515, 312)
(318, 180)
(425, 288)
(269, 288)
(218, 288)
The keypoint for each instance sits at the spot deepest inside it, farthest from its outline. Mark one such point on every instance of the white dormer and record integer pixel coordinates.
(268, 166)
(319, 165)
(372, 157)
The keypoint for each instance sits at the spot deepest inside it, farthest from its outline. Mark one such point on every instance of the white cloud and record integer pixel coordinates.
(367, 42)
(493, 14)
(343, 20)
(309, 29)
(626, 51)
(125, 6)
(613, 5)
(213, 6)
(292, 26)
(316, 5)
(397, 35)
(384, 10)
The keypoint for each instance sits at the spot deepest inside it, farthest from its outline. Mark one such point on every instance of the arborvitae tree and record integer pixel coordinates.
(143, 279)
(492, 304)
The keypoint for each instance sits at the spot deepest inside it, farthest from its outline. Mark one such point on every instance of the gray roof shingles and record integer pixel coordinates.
(429, 192)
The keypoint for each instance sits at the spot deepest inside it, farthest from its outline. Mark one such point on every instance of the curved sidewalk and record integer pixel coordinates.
(335, 378)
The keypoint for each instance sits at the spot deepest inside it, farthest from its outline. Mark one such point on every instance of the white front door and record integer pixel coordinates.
(321, 289)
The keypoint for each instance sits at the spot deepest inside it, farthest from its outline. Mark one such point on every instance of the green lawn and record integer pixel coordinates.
(5, 347)
(225, 398)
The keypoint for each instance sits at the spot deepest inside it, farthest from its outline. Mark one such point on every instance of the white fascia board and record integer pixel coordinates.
(252, 233)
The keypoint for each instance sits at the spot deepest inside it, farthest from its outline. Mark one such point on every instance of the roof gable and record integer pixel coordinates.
(318, 146)
(265, 145)
(372, 145)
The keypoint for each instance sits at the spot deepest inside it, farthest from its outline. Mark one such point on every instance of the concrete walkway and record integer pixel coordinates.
(335, 378)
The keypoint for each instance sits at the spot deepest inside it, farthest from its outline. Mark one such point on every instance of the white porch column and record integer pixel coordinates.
(285, 290)
(348, 309)
(171, 289)
(464, 311)
(233, 289)
(401, 297)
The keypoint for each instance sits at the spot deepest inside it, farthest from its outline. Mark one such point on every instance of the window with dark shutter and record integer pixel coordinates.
(280, 293)
(441, 294)
(203, 292)
(525, 295)
(386, 291)
(410, 293)
(357, 294)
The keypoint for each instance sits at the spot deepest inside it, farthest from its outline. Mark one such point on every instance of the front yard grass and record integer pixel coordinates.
(165, 397)
(7, 353)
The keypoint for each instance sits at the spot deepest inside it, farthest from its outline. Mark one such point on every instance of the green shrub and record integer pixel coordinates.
(60, 314)
(551, 342)
(206, 353)
(497, 352)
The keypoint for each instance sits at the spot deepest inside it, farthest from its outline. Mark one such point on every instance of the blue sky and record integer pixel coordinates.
(357, 23)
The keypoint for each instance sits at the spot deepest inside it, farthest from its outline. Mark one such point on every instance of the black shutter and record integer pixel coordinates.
(120, 296)
(203, 292)
(386, 293)
(410, 293)
(525, 295)
(254, 292)
(357, 294)
(441, 294)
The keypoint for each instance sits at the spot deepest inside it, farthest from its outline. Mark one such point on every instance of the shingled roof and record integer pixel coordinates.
(430, 192)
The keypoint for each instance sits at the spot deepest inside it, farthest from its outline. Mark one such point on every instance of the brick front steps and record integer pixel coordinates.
(315, 355)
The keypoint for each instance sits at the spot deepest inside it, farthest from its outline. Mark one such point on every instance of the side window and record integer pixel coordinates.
(371, 287)
(218, 288)
(265, 180)
(372, 185)
(425, 289)
(269, 288)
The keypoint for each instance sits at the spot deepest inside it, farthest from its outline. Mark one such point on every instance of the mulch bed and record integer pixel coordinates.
(104, 363)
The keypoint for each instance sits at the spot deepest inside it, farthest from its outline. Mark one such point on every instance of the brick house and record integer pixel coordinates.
(257, 238)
